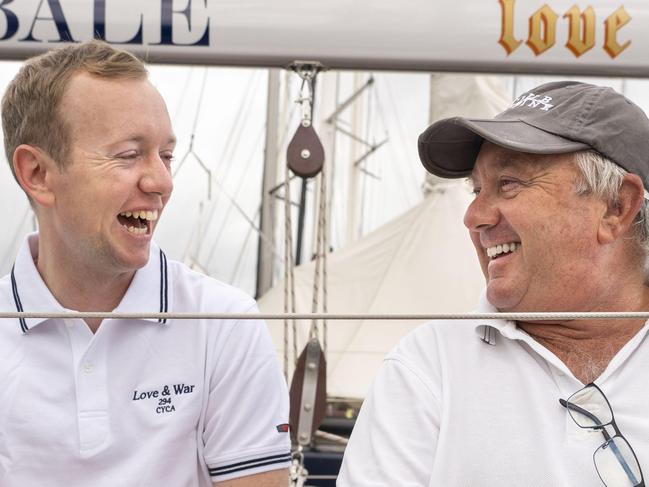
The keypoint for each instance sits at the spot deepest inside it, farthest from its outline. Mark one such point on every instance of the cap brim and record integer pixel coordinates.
(449, 147)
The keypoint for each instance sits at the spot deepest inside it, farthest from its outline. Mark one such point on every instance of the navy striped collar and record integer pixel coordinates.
(143, 296)
(149, 292)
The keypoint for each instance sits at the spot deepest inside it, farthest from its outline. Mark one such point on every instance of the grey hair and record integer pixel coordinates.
(603, 178)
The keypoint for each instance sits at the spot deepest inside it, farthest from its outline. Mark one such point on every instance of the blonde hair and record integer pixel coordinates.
(30, 106)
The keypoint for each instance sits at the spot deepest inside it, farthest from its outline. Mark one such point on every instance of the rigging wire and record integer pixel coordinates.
(377, 191)
(200, 100)
(335, 222)
(236, 206)
(229, 149)
(185, 90)
(497, 316)
(190, 149)
(240, 126)
(362, 167)
(244, 247)
(196, 231)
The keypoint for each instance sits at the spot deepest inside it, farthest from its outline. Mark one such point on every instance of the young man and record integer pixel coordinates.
(559, 224)
(120, 402)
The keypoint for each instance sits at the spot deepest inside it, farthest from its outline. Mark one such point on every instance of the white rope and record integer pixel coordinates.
(331, 437)
(558, 316)
(289, 276)
(325, 250)
(287, 250)
(313, 330)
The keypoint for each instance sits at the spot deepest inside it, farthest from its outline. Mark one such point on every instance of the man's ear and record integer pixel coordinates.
(33, 169)
(620, 216)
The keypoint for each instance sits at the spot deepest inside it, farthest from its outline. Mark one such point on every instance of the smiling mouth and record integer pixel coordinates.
(138, 222)
(502, 249)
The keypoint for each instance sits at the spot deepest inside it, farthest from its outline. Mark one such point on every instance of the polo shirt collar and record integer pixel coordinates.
(29, 290)
(486, 329)
(149, 291)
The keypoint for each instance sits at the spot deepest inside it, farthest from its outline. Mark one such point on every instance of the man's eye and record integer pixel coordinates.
(475, 191)
(507, 184)
(168, 158)
(127, 155)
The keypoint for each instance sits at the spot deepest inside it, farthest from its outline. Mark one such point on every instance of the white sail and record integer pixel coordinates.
(420, 262)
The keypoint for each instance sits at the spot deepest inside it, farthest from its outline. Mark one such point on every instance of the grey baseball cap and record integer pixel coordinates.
(554, 118)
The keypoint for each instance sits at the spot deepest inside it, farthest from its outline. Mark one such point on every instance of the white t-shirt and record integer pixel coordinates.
(141, 402)
(450, 409)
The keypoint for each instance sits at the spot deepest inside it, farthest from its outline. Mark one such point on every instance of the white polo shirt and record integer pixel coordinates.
(141, 402)
(450, 409)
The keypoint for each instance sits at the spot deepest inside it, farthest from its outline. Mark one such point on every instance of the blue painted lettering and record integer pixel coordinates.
(57, 17)
(166, 24)
(11, 18)
(99, 24)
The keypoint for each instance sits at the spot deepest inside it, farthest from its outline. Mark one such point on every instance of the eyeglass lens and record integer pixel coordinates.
(616, 464)
(591, 408)
(615, 461)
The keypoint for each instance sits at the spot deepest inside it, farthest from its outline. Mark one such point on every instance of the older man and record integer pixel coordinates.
(559, 224)
(142, 402)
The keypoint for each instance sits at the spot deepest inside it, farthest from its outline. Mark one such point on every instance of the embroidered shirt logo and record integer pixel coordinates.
(282, 428)
(533, 101)
(163, 397)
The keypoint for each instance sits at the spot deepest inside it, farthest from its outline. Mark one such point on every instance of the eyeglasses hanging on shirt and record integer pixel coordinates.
(615, 461)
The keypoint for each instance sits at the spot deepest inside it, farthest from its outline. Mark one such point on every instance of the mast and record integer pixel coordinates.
(267, 224)
(354, 191)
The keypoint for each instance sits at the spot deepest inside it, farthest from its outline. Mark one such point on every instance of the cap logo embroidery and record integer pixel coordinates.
(533, 101)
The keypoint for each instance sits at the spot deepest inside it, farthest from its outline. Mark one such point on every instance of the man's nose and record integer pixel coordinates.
(157, 177)
(482, 213)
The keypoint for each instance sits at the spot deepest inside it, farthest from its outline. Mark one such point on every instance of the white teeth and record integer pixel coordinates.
(136, 230)
(143, 215)
(501, 249)
(147, 215)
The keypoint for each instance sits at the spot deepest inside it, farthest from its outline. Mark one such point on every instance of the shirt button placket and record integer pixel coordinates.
(92, 399)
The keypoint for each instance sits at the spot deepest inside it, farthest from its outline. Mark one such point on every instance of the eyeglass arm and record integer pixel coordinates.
(598, 424)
